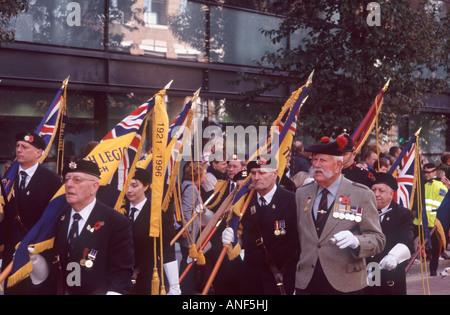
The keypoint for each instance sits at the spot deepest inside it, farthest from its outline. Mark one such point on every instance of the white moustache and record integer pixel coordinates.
(313, 171)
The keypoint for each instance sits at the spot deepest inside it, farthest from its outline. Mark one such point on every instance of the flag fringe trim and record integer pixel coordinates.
(219, 197)
(20, 274)
(25, 271)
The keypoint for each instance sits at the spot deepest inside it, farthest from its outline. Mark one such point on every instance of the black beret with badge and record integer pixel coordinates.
(82, 166)
(32, 138)
(385, 178)
(240, 175)
(261, 162)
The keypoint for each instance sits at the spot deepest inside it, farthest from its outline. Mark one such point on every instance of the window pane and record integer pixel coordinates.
(63, 23)
(236, 36)
(22, 109)
(432, 135)
(259, 5)
(159, 28)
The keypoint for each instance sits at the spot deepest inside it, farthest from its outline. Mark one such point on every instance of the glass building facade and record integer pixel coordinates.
(119, 53)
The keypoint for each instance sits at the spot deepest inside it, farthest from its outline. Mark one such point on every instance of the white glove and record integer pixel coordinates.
(389, 262)
(398, 254)
(346, 239)
(40, 267)
(228, 236)
(171, 271)
(207, 216)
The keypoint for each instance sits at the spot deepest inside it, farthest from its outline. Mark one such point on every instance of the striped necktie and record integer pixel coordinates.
(323, 207)
(23, 180)
(73, 234)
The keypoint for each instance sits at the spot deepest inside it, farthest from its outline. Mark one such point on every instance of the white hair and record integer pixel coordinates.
(337, 158)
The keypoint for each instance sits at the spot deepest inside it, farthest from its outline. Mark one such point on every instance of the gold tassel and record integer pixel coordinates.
(163, 287)
(155, 277)
(193, 253)
(155, 282)
(233, 252)
(201, 258)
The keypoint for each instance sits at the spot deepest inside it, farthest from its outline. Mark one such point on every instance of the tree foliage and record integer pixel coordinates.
(353, 60)
(9, 9)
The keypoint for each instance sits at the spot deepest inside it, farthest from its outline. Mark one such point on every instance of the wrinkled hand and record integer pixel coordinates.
(346, 239)
(228, 236)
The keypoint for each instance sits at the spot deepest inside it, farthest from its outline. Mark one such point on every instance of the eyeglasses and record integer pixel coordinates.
(75, 179)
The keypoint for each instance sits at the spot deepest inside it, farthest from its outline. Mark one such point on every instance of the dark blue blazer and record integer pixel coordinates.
(112, 240)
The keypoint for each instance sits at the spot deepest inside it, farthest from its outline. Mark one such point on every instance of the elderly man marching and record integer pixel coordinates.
(338, 226)
(397, 225)
(269, 236)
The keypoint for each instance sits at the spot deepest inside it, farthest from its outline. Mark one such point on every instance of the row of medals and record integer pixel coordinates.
(89, 262)
(279, 227)
(341, 212)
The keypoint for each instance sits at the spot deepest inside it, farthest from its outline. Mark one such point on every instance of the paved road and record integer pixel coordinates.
(437, 285)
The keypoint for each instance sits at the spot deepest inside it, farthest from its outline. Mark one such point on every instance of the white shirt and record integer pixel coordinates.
(85, 213)
(268, 197)
(30, 172)
(139, 207)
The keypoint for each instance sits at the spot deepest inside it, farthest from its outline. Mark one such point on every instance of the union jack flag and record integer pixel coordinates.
(403, 171)
(133, 123)
(176, 132)
(293, 126)
(48, 125)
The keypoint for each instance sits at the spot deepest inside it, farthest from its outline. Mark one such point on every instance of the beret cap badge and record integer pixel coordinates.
(28, 138)
(72, 165)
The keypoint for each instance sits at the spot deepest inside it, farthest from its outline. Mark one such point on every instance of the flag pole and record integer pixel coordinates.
(5, 273)
(210, 230)
(196, 214)
(225, 249)
(189, 266)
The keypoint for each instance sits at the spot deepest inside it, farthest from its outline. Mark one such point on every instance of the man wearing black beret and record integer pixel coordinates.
(397, 226)
(92, 238)
(338, 226)
(34, 187)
